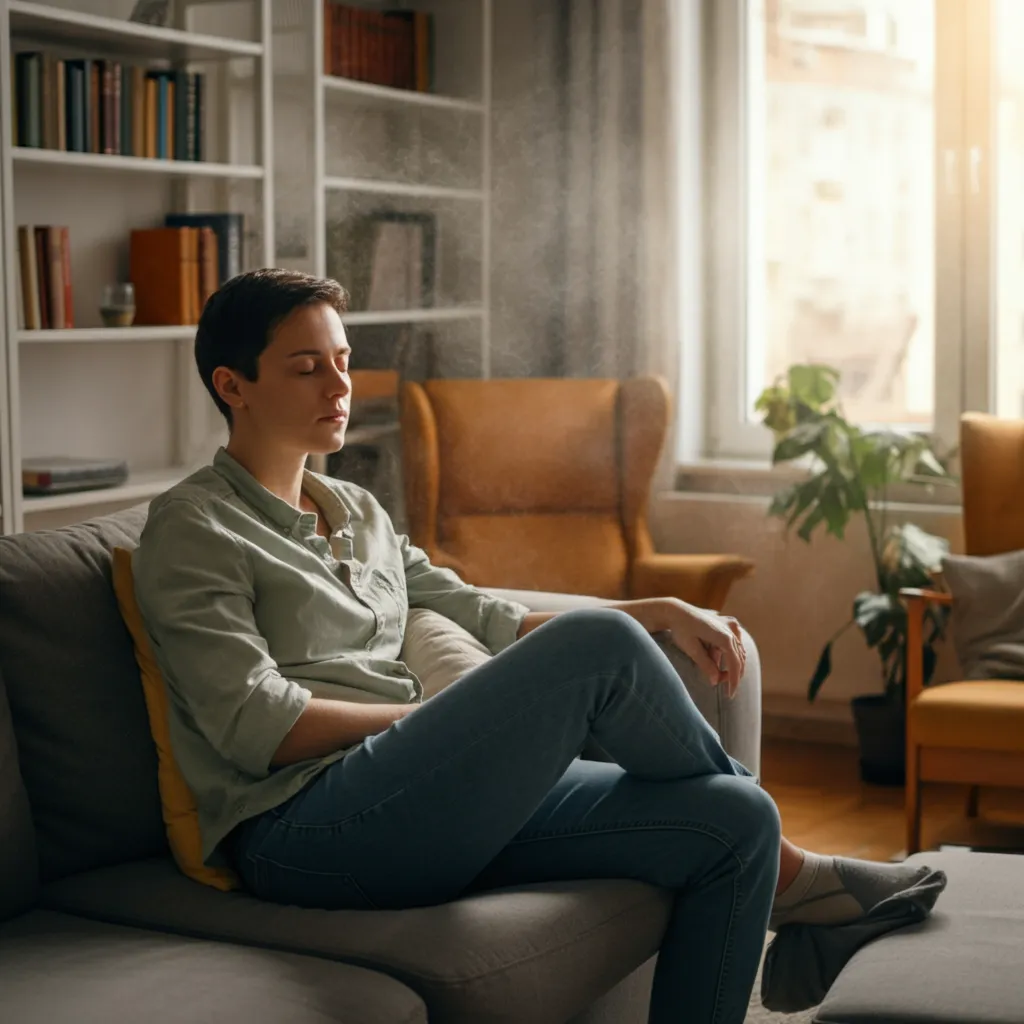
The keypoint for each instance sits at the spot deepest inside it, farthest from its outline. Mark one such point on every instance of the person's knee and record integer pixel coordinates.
(755, 817)
(752, 673)
(602, 631)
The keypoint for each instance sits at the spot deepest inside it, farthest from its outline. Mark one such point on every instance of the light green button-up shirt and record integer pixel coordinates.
(251, 613)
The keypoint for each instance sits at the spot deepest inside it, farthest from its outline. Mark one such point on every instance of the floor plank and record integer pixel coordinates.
(825, 807)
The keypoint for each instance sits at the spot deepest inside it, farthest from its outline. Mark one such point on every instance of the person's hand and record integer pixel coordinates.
(713, 642)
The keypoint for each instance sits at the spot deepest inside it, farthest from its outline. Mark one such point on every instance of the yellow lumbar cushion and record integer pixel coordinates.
(181, 817)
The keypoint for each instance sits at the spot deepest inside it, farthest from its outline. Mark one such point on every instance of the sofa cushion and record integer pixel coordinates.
(19, 868)
(87, 757)
(177, 802)
(58, 968)
(539, 953)
(439, 651)
(960, 966)
(988, 613)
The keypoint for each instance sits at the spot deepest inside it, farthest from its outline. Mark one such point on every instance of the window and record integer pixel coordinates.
(866, 187)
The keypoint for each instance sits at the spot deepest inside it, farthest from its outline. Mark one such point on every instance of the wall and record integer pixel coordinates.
(799, 596)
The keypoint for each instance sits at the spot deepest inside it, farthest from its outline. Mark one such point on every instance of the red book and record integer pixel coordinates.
(328, 38)
(65, 259)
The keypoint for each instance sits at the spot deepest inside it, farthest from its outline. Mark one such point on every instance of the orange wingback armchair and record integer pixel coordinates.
(970, 732)
(543, 485)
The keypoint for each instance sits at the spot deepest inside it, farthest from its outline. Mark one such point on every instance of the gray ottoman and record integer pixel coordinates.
(964, 965)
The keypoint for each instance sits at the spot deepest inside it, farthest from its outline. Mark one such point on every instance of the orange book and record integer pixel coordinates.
(162, 272)
(29, 277)
(150, 117)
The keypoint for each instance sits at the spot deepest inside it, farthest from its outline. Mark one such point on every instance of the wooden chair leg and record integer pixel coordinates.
(972, 801)
(913, 802)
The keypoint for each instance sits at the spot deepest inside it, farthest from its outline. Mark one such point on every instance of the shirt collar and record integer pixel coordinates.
(286, 516)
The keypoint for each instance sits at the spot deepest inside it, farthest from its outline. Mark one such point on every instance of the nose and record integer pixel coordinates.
(340, 383)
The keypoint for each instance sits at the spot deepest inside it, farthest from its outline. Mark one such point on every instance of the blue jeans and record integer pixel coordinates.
(484, 787)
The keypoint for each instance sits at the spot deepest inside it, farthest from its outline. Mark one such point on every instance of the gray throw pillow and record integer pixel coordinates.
(988, 614)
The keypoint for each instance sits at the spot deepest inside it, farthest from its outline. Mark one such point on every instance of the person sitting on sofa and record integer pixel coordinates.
(275, 600)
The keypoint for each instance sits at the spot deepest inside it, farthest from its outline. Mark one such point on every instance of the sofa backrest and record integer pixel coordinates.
(19, 868)
(87, 758)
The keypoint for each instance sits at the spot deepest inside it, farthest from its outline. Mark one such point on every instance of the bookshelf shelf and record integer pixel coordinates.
(107, 334)
(147, 165)
(412, 316)
(139, 487)
(348, 88)
(56, 26)
(401, 188)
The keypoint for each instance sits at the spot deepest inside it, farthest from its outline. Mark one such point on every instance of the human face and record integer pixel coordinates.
(300, 398)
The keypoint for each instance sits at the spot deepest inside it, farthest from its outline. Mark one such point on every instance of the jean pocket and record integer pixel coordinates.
(325, 890)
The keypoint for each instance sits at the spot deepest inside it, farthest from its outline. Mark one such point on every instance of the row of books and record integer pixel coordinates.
(44, 267)
(394, 48)
(177, 267)
(174, 269)
(105, 106)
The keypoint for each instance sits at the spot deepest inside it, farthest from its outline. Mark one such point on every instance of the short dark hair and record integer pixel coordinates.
(239, 318)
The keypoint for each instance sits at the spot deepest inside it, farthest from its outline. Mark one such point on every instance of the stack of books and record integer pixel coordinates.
(44, 272)
(393, 48)
(60, 474)
(176, 268)
(105, 106)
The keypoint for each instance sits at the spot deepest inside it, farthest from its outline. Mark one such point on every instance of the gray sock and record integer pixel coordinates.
(835, 890)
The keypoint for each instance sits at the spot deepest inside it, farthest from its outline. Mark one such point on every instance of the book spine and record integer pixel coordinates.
(151, 117)
(75, 107)
(161, 117)
(200, 116)
(138, 102)
(29, 277)
(125, 113)
(62, 106)
(180, 128)
(95, 107)
(65, 253)
(328, 12)
(189, 152)
(49, 101)
(117, 87)
(172, 118)
(31, 119)
(42, 272)
(55, 277)
(343, 56)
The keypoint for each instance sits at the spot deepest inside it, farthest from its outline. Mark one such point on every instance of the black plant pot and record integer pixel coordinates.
(881, 732)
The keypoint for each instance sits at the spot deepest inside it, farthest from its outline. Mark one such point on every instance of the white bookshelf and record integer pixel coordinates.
(131, 393)
(348, 148)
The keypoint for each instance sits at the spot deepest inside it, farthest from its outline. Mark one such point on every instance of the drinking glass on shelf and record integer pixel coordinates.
(118, 306)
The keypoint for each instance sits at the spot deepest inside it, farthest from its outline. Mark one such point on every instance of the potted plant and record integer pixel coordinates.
(850, 473)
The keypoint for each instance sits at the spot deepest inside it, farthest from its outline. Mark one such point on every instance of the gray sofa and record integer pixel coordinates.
(97, 924)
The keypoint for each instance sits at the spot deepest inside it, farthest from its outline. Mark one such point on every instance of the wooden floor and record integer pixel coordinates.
(825, 807)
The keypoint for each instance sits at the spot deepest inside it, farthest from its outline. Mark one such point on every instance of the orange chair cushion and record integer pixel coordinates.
(981, 715)
(526, 445)
(574, 553)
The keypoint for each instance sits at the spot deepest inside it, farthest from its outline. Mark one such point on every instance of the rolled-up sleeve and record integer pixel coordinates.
(194, 587)
(492, 620)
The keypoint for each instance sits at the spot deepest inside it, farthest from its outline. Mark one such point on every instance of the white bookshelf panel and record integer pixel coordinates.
(134, 164)
(349, 91)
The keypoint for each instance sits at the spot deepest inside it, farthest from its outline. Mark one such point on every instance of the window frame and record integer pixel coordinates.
(964, 211)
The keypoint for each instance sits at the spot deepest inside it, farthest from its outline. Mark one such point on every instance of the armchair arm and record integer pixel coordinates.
(917, 601)
(703, 580)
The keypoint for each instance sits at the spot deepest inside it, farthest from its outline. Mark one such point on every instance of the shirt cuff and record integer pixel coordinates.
(503, 621)
(269, 712)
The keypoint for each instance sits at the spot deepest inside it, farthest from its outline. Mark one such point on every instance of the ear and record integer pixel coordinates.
(225, 383)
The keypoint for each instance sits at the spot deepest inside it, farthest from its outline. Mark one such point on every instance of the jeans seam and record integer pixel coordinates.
(346, 875)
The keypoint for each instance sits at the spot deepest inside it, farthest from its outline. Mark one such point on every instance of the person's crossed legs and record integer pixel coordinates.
(482, 787)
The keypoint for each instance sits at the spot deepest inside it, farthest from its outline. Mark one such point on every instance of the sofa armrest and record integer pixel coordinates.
(917, 602)
(737, 721)
(703, 580)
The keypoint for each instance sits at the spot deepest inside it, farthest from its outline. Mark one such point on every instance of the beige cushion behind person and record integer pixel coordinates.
(439, 651)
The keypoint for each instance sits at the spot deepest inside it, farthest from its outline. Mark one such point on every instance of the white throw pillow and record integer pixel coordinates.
(438, 650)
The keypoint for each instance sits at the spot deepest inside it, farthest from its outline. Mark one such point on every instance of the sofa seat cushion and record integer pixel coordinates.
(986, 715)
(62, 969)
(960, 966)
(538, 953)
